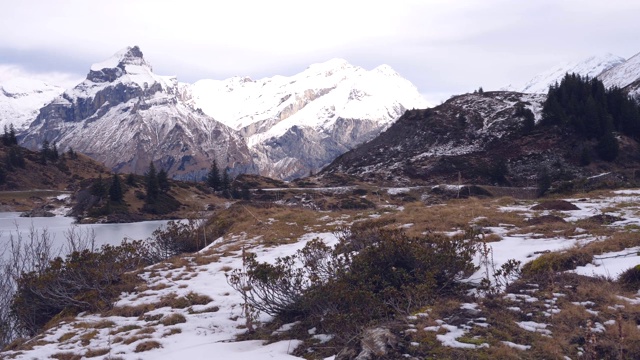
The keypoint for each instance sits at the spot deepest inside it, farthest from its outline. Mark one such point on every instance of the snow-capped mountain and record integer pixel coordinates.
(22, 98)
(294, 125)
(591, 67)
(625, 76)
(126, 116)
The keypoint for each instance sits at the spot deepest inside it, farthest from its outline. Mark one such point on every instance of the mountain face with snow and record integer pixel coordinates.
(126, 116)
(625, 76)
(22, 98)
(298, 124)
(476, 139)
(591, 67)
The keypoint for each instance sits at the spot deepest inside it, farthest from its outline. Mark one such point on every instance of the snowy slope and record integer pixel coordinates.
(624, 75)
(591, 67)
(22, 98)
(283, 117)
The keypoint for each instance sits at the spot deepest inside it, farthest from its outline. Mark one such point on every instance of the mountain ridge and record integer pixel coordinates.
(283, 127)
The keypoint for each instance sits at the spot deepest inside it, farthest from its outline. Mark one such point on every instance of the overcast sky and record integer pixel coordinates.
(444, 47)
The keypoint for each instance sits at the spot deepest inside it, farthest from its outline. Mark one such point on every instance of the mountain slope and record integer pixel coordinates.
(298, 124)
(22, 98)
(478, 139)
(591, 67)
(126, 116)
(625, 76)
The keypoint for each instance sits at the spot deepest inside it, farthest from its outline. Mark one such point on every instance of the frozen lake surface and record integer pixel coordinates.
(11, 224)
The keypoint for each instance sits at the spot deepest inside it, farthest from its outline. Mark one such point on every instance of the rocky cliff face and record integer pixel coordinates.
(126, 116)
(477, 139)
(296, 125)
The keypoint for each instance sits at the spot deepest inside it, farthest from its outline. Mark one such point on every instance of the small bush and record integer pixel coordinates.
(345, 291)
(554, 262)
(83, 281)
(630, 278)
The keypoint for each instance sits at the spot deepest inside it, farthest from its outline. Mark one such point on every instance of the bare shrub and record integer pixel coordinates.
(344, 291)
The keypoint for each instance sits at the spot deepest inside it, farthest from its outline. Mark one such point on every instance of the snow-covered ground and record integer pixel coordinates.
(209, 330)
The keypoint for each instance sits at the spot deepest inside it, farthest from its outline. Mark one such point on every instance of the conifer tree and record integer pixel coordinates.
(115, 190)
(13, 140)
(225, 184)
(131, 180)
(98, 188)
(163, 181)
(153, 189)
(213, 177)
(44, 152)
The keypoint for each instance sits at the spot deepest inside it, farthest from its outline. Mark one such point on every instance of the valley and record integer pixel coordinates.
(331, 214)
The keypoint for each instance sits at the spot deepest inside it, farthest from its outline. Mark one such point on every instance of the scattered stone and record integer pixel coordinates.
(375, 343)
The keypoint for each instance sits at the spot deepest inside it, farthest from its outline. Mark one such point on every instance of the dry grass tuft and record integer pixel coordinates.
(173, 319)
(132, 339)
(172, 331)
(131, 311)
(96, 352)
(147, 345)
(66, 356)
(124, 329)
(67, 336)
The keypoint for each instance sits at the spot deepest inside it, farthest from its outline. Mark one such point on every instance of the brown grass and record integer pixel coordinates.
(172, 331)
(173, 319)
(67, 336)
(147, 345)
(124, 329)
(455, 214)
(131, 311)
(132, 339)
(96, 352)
(66, 356)
(85, 339)
(182, 302)
(147, 330)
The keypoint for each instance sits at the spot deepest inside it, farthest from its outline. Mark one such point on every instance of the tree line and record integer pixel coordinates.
(592, 111)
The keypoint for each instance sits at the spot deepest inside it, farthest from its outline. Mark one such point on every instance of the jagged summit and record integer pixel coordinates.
(127, 56)
(127, 66)
(125, 116)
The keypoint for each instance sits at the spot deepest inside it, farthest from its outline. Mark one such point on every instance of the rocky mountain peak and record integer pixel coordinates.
(128, 61)
(127, 56)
